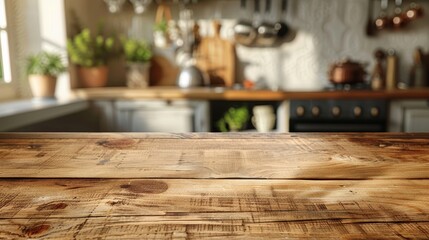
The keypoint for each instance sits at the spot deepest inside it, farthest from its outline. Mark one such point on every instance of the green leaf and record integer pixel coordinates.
(88, 51)
(136, 50)
(234, 118)
(45, 63)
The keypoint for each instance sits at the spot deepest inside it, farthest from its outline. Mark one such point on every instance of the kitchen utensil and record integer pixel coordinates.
(383, 21)
(192, 76)
(244, 32)
(400, 19)
(114, 6)
(140, 5)
(281, 27)
(391, 70)
(216, 56)
(257, 16)
(163, 13)
(370, 25)
(267, 33)
(418, 74)
(378, 77)
(187, 28)
(347, 72)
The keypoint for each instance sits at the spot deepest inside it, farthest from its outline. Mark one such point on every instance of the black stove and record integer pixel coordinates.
(338, 115)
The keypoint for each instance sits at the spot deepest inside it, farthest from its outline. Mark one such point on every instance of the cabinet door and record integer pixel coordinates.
(416, 120)
(176, 120)
(105, 110)
(161, 116)
(409, 116)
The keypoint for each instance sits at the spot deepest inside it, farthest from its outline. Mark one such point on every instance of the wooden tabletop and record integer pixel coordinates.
(173, 93)
(217, 186)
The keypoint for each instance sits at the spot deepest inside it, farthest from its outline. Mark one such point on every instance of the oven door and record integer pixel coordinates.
(338, 116)
(333, 126)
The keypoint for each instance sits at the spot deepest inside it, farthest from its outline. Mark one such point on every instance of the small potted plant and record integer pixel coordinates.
(138, 55)
(234, 120)
(90, 53)
(43, 69)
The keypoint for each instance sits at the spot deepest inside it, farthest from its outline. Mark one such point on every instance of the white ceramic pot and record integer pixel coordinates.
(263, 118)
(264, 123)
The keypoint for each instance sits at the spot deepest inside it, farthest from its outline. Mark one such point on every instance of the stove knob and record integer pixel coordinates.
(357, 111)
(336, 111)
(300, 111)
(375, 112)
(315, 111)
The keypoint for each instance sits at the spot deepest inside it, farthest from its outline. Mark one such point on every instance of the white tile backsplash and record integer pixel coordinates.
(327, 31)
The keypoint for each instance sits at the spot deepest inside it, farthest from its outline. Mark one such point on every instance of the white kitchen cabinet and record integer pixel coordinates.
(105, 110)
(416, 120)
(161, 116)
(409, 116)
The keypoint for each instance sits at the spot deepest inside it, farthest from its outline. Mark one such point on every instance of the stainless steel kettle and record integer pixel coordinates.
(192, 76)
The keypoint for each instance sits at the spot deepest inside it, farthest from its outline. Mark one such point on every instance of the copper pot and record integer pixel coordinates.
(347, 72)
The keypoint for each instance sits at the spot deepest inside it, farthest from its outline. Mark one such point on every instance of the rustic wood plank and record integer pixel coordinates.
(146, 228)
(275, 156)
(194, 209)
(380, 189)
(378, 200)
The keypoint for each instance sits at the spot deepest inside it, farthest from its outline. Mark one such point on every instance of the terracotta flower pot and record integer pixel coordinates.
(93, 77)
(42, 86)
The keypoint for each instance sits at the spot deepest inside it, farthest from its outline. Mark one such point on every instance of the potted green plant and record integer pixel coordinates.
(235, 119)
(90, 53)
(43, 69)
(138, 55)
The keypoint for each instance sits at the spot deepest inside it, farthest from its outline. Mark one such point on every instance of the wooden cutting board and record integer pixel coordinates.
(216, 56)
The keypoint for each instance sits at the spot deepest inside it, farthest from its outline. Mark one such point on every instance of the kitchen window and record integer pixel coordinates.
(8, 83)
(5, 68)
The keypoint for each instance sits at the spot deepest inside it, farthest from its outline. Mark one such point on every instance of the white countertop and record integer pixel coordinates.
(21, 113)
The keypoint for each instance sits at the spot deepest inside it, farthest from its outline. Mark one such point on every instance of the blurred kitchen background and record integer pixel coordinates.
(321, 34)
(326, 31)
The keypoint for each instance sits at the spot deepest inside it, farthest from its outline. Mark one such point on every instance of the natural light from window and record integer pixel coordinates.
(5, 69)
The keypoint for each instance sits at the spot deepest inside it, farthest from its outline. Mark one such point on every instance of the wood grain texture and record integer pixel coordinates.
(214, 186)
(244, 95)
(276, 156)
(196, 209)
